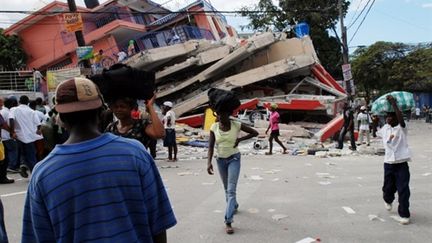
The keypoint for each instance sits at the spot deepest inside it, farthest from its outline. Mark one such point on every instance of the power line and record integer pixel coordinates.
(361, 23)
(358, 16)
(358, 7)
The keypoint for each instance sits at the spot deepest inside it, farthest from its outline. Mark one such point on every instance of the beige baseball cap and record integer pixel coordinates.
(77, 94)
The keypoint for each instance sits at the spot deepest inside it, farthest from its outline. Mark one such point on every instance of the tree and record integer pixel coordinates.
(12, 56)
(415, 70)
(321, 15)
(372, 67)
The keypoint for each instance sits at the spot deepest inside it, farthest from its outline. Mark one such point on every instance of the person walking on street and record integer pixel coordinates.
(95, 187)
(348, 126)
(10, 144)
(274, 127)
(3, 160)
(364, 120)
(25, 127)
(170, 134)
(394, 135)
(224, 134)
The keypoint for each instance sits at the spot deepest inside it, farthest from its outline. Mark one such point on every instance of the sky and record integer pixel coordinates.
(407, 21)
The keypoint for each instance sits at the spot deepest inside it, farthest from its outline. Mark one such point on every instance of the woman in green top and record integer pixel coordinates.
(224, 134)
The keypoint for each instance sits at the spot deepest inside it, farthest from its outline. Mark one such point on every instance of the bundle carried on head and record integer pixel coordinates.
(124, 81)
(405, 102)
(223, 100)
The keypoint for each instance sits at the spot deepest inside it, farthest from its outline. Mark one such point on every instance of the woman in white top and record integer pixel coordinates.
(224, 134)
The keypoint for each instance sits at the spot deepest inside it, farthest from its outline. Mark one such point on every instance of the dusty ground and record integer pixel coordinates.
(286, 198)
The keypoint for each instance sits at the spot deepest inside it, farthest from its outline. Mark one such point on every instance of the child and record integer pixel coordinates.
(397, 155)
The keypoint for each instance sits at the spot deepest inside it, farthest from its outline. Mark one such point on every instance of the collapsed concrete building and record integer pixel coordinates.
(266, 68)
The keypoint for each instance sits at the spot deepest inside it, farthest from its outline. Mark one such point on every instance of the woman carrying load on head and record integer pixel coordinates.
(143, 130)
(225, 134)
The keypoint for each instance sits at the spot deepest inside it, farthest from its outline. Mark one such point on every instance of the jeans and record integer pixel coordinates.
(342, 134)
(28, 154)
(229, 170)
(11, 150)
(396, 178)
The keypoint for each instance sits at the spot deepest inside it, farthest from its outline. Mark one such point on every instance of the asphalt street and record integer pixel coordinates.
(286, 198)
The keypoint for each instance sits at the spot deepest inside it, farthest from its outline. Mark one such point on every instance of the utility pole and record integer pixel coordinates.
(78, 34)
(344, 45)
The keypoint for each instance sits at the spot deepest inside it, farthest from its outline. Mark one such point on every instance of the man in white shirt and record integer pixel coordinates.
(417, 112)
(10, 145)
(397, 155)
(170, 135)
(25, 127)
(364, 120)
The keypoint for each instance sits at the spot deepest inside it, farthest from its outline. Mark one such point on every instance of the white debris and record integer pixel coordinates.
(256, 178)
(308, 164)
(427, 174)
(307, 240)
(217, 211)
(348, 210)
(275, 179)
(330, 163)
(253, 210)
(321, 154)
(185, 173)
(271, 210)
(208, 183)
(324, 183)
(373, 217)
(278, 217)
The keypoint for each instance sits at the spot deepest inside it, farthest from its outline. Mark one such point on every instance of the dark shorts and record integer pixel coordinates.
(170, 138)
(275, 133)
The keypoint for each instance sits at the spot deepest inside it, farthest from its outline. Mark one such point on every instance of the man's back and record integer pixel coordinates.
(106, 189)
(26, 123)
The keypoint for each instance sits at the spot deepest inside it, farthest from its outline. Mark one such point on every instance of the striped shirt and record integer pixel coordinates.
(107, 189)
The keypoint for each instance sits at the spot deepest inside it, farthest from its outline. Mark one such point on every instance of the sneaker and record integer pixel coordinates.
(404, 221)
(23, 171)
(388, 206)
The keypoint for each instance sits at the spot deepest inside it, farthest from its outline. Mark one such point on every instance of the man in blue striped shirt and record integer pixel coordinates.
(94, 188)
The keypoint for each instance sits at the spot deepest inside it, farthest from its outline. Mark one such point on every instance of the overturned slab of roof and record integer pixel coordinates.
(151, 59)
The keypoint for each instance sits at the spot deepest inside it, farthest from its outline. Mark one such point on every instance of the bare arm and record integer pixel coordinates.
(160, 238)
(210, 153)
(399, 115)
(12, 128)
(251, 133)
(155, 129)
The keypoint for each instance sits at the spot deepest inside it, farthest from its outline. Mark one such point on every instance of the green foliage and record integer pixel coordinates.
(321, 15)
(12, 56)
(386, 66)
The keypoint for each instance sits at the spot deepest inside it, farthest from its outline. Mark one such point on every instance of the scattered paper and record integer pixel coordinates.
(308, 164)
(185, 173)
(373, 217)
(275, 179)
(208, 183)
(253, 210)
(255, 168)
(427, 174)
(307, 240)
(324, 183)
(330, 163)
(349, 210)
(271, 210)
(256, 178)
(217, 211)
(270, 172)
(278, 217)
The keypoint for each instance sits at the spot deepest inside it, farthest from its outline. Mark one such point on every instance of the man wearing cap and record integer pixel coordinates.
(170, 135)
(94, 187)
(364, 120)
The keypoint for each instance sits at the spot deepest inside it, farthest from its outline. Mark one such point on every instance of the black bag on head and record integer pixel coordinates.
(223, 100)
(121, 80)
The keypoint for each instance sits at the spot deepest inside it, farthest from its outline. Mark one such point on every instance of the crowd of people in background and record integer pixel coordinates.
(30, 129)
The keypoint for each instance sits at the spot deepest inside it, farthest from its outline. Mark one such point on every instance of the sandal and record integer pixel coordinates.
(229, 229)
